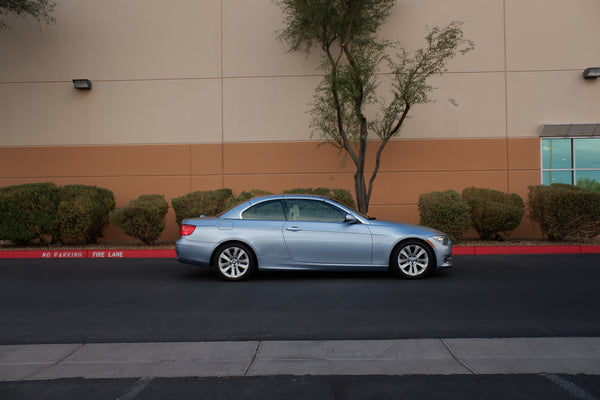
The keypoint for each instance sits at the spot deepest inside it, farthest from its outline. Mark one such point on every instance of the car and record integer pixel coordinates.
(304, 232)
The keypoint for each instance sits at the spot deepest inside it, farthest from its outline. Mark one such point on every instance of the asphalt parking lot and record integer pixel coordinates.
(463, 387)
(518, 326)
(160, 300)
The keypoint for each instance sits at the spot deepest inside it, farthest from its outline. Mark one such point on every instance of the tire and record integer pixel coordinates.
(412, 259)
(234, 261)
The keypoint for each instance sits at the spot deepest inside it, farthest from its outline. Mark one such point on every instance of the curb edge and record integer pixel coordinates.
(170, 253)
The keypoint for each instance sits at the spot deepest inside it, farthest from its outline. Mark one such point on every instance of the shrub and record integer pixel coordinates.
(28, 212)
(195, 204)
(342, 196)
(143, 218)
(493, 211)
(83, 212)
(445, 211)
(245, 196)
(564, 210)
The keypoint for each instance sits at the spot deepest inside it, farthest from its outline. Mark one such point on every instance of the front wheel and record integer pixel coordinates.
(234, 261)
(412, 259)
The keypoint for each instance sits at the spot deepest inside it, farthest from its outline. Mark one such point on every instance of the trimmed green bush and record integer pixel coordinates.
(564, 210)
(245, 196)
(342, 196)
(445, 211)
(83, 213)
(195, 204)
(143, 218)
(493, 212)
(28, 212)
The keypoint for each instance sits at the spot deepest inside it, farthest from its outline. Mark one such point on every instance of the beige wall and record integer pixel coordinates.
(205, 72)
(191, 95)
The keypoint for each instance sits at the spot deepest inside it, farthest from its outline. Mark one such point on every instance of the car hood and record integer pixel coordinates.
(407, 227)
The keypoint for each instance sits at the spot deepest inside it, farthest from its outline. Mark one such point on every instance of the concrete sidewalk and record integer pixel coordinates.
(338, 357)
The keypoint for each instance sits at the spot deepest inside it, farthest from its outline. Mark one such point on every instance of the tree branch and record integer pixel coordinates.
(384, 142)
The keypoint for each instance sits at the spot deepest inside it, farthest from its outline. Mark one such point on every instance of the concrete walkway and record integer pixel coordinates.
(339, 357)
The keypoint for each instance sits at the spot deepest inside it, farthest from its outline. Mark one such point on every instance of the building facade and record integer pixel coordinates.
(196, 95)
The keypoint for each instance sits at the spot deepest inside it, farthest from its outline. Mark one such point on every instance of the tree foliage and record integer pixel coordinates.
(40, 10)
(353, 60)
(589, 184)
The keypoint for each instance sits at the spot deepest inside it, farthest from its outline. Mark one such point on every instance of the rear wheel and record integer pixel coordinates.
(234, 261)
(412, 259)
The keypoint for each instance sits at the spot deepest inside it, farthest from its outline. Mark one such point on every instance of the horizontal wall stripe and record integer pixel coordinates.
(409, 168)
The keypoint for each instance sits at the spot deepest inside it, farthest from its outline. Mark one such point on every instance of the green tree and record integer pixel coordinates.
(353, 59)
(589, 184)
(40, 10)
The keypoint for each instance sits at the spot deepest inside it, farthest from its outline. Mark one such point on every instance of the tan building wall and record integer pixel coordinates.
(191, 95)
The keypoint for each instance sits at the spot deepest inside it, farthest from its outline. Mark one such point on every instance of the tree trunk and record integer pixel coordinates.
(360, 189)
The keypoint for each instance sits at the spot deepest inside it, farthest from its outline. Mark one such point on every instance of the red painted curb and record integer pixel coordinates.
(590, 249)
(170, 253)
(463, 251)
(507, 250)
(125, 253)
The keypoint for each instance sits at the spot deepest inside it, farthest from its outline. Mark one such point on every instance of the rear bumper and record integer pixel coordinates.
(196, 253)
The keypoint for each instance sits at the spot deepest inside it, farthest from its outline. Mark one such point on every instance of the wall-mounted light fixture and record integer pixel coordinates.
(82, 84)
(591, 73)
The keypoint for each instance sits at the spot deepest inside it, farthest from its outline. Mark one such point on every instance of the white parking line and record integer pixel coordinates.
(569, 387)
(136, 388)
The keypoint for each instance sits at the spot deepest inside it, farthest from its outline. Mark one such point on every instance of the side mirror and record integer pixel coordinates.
(350, 219)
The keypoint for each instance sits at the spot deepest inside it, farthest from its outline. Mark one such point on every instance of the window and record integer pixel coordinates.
(268, 210)
(313, 210)
(575, 161)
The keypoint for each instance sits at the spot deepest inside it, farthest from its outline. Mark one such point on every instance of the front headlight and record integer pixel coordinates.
(441, 239)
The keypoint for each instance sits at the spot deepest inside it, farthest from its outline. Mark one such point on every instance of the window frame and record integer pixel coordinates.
(573, 170)
(263, 203)
(320, 202)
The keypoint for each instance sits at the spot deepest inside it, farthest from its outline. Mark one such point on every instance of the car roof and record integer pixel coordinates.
(259, 199)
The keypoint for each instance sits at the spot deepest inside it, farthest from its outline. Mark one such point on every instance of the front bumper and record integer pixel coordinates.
(444, 256)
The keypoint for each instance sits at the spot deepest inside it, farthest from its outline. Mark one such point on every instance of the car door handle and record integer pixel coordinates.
(293, 229)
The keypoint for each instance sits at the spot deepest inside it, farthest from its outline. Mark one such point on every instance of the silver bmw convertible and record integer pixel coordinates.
(300, 232)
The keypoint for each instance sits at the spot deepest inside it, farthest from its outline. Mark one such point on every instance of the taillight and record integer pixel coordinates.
(187, 230)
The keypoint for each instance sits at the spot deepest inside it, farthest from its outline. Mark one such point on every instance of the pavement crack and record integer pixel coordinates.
(76, 349)
(253, 358)
(464, 364)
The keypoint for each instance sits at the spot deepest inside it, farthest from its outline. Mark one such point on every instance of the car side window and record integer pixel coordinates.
(267, 210)
(313, 211)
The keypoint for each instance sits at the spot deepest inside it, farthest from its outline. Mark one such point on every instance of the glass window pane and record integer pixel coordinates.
(589, 180)
(587, 153)
(558, 177)
(269, 210)
(556, 153)
(314, 211)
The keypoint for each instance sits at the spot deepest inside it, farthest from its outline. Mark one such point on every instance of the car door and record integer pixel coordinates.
(315, 233)
(261, 227)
